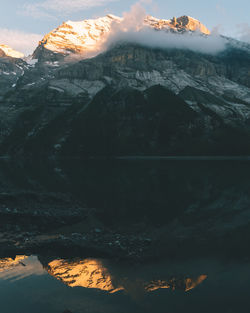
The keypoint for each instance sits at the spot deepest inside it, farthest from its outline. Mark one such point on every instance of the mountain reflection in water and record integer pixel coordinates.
(46, 284)
(89, 273)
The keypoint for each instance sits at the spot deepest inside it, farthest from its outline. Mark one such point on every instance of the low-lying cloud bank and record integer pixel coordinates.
(133, 30)
(159, 39)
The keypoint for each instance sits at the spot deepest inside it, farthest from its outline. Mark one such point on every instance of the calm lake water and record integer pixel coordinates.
(28, 284)
(127, 191)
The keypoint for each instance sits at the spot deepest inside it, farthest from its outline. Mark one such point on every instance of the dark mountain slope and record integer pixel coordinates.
(127, 122)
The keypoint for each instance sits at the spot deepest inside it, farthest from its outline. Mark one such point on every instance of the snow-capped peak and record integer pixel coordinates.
(84, 36)
(78, 36)
(10, 52)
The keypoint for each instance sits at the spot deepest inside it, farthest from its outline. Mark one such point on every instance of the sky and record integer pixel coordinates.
(24, 22)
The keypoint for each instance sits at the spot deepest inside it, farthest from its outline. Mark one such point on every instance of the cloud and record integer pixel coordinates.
(244, 32)
(46, 8)
(151, 38)
(18, 40)
(132, 20)
(133, 30)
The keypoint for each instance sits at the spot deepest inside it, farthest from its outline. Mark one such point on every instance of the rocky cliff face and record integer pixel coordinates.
(137, 67)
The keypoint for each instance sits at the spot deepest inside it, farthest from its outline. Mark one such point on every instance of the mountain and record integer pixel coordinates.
(9, 52)
(84, 37)
(133, 99)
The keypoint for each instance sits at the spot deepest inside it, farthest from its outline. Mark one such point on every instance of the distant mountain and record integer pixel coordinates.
(9, 52)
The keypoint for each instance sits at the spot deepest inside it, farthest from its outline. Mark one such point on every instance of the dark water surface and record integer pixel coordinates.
(203, 196)
(35, 285)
